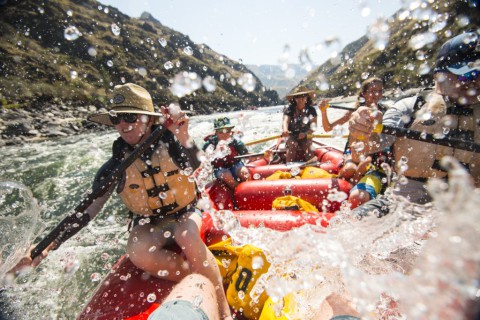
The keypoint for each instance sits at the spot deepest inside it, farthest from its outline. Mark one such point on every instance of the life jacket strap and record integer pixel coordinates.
(157, 189)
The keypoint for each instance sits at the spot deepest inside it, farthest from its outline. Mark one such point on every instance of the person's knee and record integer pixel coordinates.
(358, 197)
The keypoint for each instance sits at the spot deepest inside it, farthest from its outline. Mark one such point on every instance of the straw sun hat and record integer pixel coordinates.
(127, 98)
(301, 91)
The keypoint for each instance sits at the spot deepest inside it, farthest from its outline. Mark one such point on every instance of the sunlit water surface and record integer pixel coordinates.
(424, 257)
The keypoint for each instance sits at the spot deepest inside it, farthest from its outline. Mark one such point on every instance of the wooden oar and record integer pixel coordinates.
(429, 138)
(262, 140)
(100, 190)
(310, 136)
(250, 155)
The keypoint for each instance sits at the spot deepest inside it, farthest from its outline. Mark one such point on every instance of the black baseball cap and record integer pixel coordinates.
(460, 55)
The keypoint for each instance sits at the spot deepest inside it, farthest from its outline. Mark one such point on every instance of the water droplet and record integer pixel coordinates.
(462, 21)
(364, 75)
(365, 11)
(256, 176)
(152, 249)
(247, 82)
(162, 273)
(418, 41)
(73, 74)
(92, 51)
(142, 71)
(69, 13)
(95, 277)
(184, 83)
(162, 42)
(72, 33)
(168, 65)
(206, 263)
(257, 262)
(115, 29)
(209, 84)
(438, 23)
(420, 55)
(379, 33)
(197, 301)
(167, 234)
(110, 63)
(151, 298)
(188, 50)
(424, 68)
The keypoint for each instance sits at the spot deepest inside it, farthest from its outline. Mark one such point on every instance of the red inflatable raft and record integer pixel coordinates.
(130, 293)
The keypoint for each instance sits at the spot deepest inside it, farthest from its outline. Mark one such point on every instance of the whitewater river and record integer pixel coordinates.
(426, 258)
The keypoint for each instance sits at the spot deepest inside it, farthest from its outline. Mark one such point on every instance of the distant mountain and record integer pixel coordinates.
(75, 51)
(277, 78)
(408, 58)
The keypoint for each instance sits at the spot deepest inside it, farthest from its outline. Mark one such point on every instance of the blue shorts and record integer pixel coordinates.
(178, 310)
(233, 169)
(372, 182)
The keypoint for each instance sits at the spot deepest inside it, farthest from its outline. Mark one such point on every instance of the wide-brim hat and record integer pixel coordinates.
(126, 98)
(299, 91)
(459, 55)
(221, 123)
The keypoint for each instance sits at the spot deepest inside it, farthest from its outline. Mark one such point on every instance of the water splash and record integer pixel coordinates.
(19, 223)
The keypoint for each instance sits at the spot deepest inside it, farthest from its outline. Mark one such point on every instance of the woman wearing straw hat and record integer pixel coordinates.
(156, 189)
(299, 120)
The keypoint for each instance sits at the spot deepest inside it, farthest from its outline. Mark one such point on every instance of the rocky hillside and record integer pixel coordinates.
(74, 51)
(400, 50)
(278, 78)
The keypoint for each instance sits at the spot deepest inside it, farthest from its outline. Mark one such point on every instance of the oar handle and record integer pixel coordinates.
(430, 138)
(100, 190)
(334, 106)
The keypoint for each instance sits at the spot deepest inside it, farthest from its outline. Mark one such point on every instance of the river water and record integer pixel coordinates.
(426, 258)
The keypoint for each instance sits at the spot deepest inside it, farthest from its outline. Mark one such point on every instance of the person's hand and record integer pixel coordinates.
(302, 135)
(285, 134)
(323, 105)
(176, 121)
(362, 123)
(27, 263)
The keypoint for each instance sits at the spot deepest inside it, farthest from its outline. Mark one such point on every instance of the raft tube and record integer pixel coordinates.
(259, 195)
(331, 161)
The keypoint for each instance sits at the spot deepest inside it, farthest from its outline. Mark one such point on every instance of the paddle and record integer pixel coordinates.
(100, 190)
(310, 136)
(429, 138)
(250, 155)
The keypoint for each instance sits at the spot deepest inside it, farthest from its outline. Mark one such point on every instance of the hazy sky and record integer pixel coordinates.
(258, 31)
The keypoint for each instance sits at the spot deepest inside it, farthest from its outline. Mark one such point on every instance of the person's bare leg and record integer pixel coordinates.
(227, 177)
(199, 291)
(145, 250)
(358, 197)
(200, 259)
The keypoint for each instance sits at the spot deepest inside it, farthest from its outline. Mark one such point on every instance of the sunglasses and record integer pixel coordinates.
(127, 117)
(469, 76)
